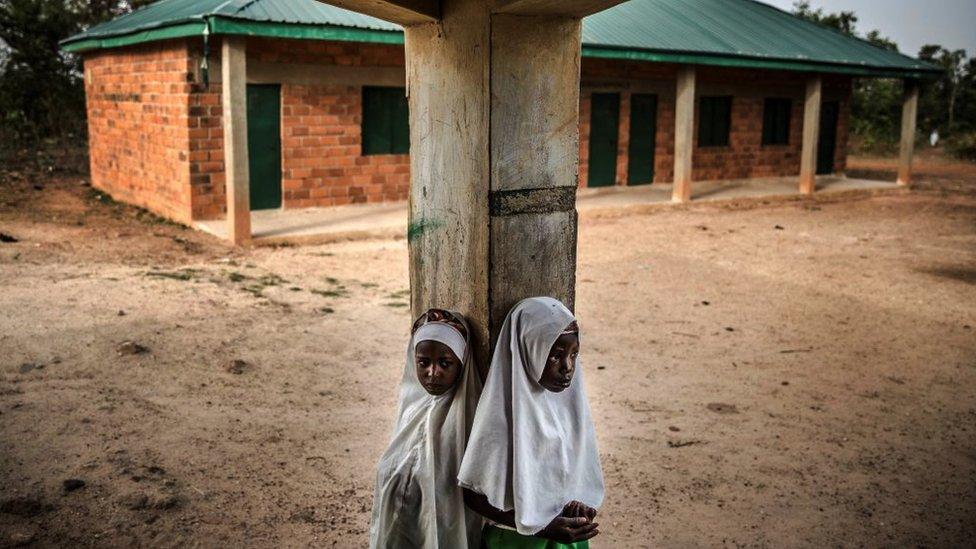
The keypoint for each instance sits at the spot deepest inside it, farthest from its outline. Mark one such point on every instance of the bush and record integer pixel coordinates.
(962, 146)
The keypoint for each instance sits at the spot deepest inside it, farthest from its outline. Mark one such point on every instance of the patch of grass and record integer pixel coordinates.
(327, 310)
(149, 218)
(369, 285)
(271, 280)
(103, 198)
(323, 254)
(236, 276)
(256, 291)
(396, 304)
(294, 289)
(331, 293)
(399, 294)
(331, 280)
(182, 274)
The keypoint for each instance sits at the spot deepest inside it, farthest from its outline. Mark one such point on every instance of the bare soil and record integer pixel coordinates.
(798, 374)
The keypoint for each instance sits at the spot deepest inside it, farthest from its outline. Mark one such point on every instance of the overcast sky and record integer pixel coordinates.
(910, 23)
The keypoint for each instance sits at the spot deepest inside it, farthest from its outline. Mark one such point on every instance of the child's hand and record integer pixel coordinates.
(569, 530)
(575, 509)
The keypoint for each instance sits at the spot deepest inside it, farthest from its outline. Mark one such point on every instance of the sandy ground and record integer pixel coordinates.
(801, 374)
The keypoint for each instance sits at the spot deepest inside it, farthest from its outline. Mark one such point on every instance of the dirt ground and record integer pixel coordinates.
(761, 375)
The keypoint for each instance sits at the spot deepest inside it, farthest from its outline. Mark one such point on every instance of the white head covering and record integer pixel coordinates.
(530, 449)
(417, 502)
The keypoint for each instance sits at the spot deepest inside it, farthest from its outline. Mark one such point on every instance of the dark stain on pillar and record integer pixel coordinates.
(532, 201)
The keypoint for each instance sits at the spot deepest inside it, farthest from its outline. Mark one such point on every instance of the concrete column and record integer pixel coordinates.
(684, 133)
(811, 135)
(493, 87)
(623, 139)
(234, 86)
(494, 137)
(909, 112)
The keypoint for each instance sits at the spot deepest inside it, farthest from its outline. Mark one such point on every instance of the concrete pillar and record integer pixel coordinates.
(494, 137)
(623, 140)
(909, 112)
(811, 135)
(684, 133)
(493, 88)
(234, 86)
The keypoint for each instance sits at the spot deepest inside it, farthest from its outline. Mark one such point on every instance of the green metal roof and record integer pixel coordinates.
(307, 19)
(737, 33)
(733, 32)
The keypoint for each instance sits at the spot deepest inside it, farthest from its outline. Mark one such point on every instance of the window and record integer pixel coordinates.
(714, 119)
(386, 127)
(776, 121)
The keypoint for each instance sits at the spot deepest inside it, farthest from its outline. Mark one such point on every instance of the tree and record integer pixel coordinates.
(875, 103)
(946, 90)
(844, 21)
(41, 92)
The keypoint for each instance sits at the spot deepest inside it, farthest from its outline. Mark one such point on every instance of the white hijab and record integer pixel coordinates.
(417, 502)
(530, 449)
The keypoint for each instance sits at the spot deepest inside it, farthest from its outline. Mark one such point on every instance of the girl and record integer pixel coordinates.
(531, 465)
(417, 502)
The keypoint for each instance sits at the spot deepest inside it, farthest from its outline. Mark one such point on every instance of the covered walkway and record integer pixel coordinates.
(389, 220)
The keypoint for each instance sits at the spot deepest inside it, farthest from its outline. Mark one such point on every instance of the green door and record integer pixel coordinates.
(827, 143)
(264, 145)
(643, 128)
(604, 118)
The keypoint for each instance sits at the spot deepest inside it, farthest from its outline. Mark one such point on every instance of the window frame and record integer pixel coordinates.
(777, 121)
(385, 122)
(711, 121)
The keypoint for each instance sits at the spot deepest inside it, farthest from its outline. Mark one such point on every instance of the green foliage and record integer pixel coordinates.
(41, 88)
(962, 146)
(947, 104)
(844, 21)
(950, 95)
(876, 114)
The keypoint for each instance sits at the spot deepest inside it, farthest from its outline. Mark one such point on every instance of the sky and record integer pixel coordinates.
(910, 23)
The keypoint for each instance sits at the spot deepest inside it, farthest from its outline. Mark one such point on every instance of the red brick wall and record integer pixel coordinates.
(745, 156)
(322, 162)
(206, 132)
(137, 101)
(157, 138)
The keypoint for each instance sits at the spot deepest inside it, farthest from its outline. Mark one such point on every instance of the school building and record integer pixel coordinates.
(673, 92)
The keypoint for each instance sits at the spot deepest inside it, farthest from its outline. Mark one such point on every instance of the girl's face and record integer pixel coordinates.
(438, 368)
(561, 363)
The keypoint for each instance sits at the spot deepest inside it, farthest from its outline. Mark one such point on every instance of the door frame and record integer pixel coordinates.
(616, 140)
(827, 165)
(278, 137)
(631, 151)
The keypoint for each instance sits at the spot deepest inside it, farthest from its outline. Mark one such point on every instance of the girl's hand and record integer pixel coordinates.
(569, 529)
(575, 509)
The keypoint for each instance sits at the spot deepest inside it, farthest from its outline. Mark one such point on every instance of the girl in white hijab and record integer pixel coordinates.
(417, 502)
(531, 465)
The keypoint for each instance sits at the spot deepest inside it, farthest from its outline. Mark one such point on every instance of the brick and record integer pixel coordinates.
(157, 138)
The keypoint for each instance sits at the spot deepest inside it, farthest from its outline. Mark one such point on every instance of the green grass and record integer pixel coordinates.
(330, 293)
(399, 295)
(271, 280)
(182, 274)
